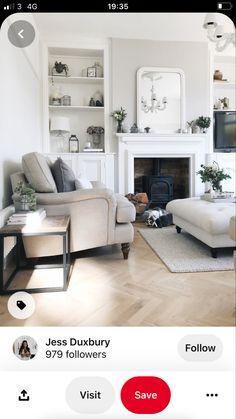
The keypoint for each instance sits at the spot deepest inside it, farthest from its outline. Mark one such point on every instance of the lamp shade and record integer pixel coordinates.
(60, 123)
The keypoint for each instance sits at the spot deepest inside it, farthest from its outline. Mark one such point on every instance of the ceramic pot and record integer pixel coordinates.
(218, 75)
(96, 140)
(22, 203)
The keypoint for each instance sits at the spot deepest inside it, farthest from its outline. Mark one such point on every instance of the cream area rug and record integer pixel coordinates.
(184, 253)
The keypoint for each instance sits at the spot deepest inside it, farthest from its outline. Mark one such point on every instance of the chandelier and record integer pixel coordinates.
(215, 33)
(155, 103)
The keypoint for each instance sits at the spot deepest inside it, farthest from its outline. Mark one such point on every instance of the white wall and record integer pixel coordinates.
(20, 105)
(127, 56)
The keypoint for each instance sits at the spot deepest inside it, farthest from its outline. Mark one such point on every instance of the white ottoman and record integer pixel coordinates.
(207, 221)
(232, 233)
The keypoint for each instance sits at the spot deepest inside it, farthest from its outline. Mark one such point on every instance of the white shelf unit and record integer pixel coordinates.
(83, 80)
(83, 108)
(221, 89)
(80, 88)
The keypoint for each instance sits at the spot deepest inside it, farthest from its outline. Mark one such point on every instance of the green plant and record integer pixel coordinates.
(119, 115)
(25, 194)
(191, 123)
(203, 122)
(214, 175)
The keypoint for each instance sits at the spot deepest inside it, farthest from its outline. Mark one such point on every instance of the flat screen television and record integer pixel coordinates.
(225, 131)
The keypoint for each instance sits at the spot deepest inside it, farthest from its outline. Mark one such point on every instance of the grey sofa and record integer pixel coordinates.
(99, 217)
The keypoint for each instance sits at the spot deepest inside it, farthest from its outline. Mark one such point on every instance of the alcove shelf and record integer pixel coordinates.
(80, 88)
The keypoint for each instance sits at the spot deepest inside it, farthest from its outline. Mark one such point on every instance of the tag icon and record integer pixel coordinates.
(20, 304)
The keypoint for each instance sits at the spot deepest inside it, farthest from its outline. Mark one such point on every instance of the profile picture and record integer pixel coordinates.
(25, 348)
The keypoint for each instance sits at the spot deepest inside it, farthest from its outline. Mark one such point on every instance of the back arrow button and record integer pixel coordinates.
(20, 33)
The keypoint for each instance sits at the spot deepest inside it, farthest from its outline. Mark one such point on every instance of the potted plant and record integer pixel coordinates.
(203, 122)
(24, 197)
(119, 116)
(190, 125)
(214, 175)
(96, 132)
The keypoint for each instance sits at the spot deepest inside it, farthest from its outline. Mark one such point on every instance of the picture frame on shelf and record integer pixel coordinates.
(91, 72)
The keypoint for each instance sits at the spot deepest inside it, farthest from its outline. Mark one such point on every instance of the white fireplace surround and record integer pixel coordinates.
(131, 146)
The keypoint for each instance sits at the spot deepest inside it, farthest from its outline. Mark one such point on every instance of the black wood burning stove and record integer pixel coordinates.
(158, 188)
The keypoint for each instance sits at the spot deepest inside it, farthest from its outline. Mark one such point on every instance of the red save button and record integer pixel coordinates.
(145, 395)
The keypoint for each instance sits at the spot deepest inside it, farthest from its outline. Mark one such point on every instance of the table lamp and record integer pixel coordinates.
(60, 125)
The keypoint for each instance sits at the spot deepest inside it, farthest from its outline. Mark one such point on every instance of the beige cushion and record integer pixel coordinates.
(38, 173)
(16, 178)
(125, 210)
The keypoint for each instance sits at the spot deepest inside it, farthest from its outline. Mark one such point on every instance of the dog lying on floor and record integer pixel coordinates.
(157, 217)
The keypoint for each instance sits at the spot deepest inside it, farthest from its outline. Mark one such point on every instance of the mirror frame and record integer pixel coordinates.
(182, 92)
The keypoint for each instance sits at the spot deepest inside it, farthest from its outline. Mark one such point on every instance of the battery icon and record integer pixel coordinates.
(224, 6)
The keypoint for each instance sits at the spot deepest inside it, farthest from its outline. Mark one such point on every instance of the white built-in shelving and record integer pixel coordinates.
(226, 87)
(83, 80)
(81, 88)
(81, 108)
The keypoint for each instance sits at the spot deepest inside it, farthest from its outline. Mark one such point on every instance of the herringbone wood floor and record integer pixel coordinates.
(105, 290)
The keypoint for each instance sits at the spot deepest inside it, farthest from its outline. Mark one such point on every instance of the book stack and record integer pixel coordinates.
(93, 150)
(34, 217)
(217, 199)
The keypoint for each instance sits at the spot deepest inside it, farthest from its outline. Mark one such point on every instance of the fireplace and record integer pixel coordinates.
(171, 148)
(163, 179)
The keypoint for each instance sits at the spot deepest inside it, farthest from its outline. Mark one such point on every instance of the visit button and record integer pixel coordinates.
(145, 395)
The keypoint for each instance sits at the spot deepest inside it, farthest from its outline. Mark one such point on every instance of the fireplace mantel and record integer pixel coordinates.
(131, 146)
(127, 137)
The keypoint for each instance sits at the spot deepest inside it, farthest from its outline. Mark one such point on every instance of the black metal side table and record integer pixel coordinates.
(50, 226)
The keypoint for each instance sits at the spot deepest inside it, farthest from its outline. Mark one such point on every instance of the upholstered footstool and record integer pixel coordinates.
(232, 233)
(207, 221)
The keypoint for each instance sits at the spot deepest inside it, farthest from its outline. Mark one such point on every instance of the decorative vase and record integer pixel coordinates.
(217, 188)
(22, 203)
(218, 75)
(189, 130)
(96, 140)
(119, 126)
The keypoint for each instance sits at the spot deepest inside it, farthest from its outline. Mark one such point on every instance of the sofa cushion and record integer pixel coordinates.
(83, 183)
(16, 178)
(38, 173)
(63, 176)
(125, 212)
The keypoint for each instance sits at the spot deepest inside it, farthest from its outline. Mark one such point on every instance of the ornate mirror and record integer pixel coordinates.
(161, 99)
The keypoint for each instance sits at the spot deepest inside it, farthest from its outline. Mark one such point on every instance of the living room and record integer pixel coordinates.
(147, 288)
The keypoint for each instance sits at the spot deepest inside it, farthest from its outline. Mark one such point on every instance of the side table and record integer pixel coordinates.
(50, 226)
